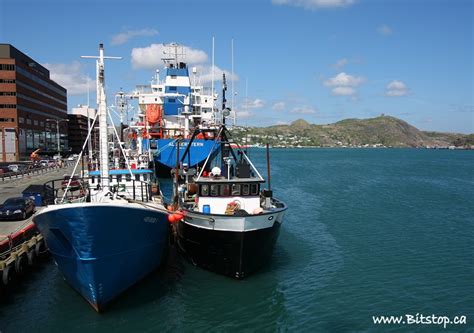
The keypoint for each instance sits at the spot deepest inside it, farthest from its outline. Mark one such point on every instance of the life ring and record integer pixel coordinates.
(239, 202)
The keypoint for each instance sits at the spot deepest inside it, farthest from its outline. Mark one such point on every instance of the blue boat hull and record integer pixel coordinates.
(104, 249)
(165, 157)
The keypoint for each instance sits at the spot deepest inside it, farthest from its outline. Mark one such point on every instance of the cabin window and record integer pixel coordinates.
(171, 100)
(137, 177)
(214, 190)
(145, 177)
(245, 189)
(172, 88)
(110, 179)
(93, 180)
(254, 189)
(235, 189)
(128, 177)
(204, 190)
(119, 178)
(225, 190)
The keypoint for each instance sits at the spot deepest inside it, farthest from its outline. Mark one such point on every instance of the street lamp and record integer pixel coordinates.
(57, 132)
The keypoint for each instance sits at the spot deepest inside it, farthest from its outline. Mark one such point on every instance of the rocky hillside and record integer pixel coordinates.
(380, 131)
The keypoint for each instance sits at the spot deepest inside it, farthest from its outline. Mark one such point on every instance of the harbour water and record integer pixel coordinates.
(368, 232)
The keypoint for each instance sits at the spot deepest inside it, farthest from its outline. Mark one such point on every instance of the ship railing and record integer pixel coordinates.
(84, 188)
(131, 189)
(64, 190)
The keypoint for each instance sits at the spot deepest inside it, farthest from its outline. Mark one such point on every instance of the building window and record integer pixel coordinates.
(21, 120)
(29, 139)
(28, 121)
(6, 120)
(7, 106)
(35, 122)
(7, 67)
(7, 80)
(7, 93)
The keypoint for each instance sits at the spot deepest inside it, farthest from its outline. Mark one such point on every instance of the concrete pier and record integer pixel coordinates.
(21, 245)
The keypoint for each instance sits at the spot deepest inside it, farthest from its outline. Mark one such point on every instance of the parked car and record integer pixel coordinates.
(4, 169)
(43, 163)
(75, 184)
(14, 167)
(17, 208)
(52, 163)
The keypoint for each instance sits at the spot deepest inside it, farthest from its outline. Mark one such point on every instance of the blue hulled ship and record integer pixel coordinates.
(173, 108)
(107, 229)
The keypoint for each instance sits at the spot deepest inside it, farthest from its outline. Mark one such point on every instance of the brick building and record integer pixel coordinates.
(28, 97)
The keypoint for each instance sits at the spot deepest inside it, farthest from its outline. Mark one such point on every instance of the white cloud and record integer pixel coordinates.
(340, 63)
(305, 109)
(244, 114)
(384, 30)
(344, 84)
(253, 104)
(150, 57)
(345, 80)
(70, 76)
(343, 91)
(124, 37)
(204, 74)
(279, 106)
(315, 4)
(396, 89)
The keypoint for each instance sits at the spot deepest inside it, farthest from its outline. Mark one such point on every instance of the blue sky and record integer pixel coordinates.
(320, 60)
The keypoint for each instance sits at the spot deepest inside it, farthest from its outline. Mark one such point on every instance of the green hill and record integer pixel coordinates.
(380, 131)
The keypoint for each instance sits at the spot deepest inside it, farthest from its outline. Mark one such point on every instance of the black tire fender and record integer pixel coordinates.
(8, 275)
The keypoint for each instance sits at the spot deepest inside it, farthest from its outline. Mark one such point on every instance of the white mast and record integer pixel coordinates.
(102, 107)
(232, 88)
(212, 79)
(89, 141)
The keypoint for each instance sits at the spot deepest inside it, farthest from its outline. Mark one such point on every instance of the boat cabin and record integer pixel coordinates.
(216, 194)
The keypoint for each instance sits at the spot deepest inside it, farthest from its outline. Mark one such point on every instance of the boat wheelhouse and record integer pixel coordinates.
(229, 224)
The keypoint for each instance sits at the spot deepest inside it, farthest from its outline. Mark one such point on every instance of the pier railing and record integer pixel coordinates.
(5, 176)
